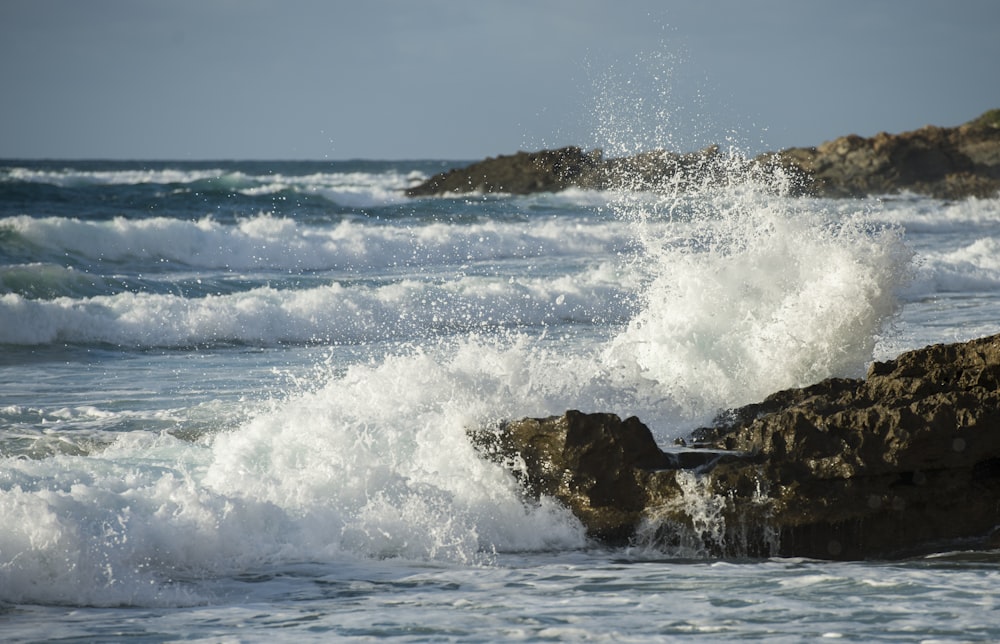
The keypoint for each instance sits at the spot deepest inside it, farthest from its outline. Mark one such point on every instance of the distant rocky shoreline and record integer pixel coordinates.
(904, 462)
(942, 162)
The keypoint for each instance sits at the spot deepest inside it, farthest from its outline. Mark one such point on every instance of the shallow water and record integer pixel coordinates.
(590, 596)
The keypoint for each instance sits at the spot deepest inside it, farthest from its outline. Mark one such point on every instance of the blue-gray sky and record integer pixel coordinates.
(463, 79)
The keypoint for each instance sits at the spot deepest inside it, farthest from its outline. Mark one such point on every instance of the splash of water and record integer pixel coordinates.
(750, 292)
(748, 289)
(744, 291)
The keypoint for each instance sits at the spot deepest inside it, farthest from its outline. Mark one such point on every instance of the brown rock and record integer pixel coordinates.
(949, 163)
(521, 173)
(596, 464)
(905, 461)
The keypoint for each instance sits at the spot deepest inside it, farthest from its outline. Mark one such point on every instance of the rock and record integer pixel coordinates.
(521, 173)
(596, 464)
(948, 163)
(555, 170)
(903, 462)
(609, 472)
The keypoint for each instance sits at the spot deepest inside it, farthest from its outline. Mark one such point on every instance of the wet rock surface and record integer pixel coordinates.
(948, 163)
(903, 462)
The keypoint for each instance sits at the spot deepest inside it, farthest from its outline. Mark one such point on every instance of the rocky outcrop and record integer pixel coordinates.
(556, 170)
(521, 173)
(948, 163)
(903, 462)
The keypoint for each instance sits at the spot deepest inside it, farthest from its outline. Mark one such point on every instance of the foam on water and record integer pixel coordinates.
(373, 463)
(953, 294)
(384, 183)
(123, 526)
(72, 177)
(737, 293)
(385, 445)
(355, 313)
(265, 241)
(753, 293)
(921, 214)
(971, 267)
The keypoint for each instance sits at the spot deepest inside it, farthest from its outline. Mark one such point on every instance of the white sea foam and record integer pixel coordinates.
(335, 313)
(348, 189)
(70, 176)
(122, 527)
(373, 463)
(971, 267)
(758, 294)
(732, 295)
(920, 214)
(371, 460)
(265, 241)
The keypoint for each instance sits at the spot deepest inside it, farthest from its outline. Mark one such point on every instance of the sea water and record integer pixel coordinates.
(234, 398)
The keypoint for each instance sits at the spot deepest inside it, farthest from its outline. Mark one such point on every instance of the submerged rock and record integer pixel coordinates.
(903, 462)
(948, 163)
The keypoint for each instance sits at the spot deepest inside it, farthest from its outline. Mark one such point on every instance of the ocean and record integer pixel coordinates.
(234, 398)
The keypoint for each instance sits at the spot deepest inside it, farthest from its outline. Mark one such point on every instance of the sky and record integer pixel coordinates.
(467, 79)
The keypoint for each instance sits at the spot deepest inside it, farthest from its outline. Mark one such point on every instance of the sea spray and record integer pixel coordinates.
(703, 522)
(141, 475)
(127, 526)
(751, 292)
(371, 461)
(747, 289)
(376, 461)
(692, 526)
